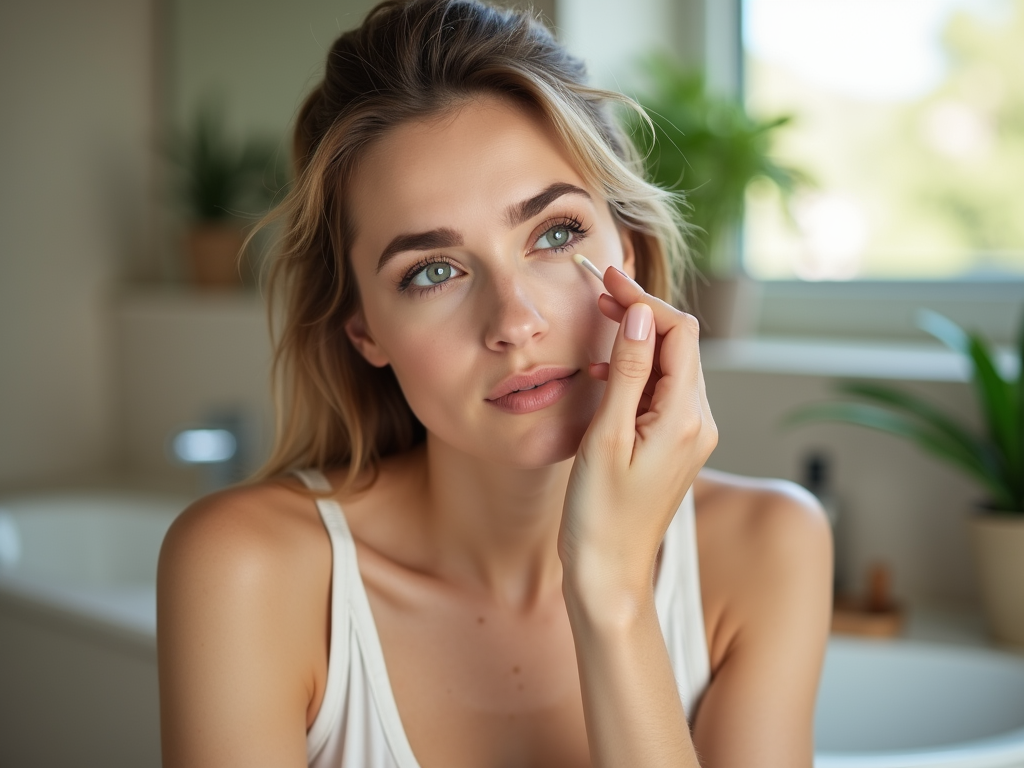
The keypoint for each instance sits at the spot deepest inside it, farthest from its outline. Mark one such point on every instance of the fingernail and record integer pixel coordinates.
(624, 274)
(638, 322)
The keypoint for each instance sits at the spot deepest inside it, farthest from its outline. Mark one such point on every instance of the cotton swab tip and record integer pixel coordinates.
(584, 262)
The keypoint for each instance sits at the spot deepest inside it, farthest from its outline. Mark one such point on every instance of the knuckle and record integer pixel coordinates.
(689, 430)
(711, 438)
(699, 430)
(632, 365)
(691, 325)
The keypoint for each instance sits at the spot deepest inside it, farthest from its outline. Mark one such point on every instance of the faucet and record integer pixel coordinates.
(217, 445)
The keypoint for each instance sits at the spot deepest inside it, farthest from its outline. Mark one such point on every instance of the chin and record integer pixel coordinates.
(544, 447)
(545, 444)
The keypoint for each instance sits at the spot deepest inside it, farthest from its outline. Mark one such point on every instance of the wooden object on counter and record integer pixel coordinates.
(875, 614)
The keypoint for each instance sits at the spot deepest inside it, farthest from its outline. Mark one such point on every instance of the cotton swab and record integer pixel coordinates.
(584, 262)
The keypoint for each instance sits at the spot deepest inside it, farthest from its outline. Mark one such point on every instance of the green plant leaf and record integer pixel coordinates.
(938, 445)
(1019, 469)
(998, 404)
(221, 177)
(944, 329)
(973, 447)
(1001, 401)
(707, 146)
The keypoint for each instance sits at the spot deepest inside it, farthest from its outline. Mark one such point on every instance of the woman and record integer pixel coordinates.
(476, 542)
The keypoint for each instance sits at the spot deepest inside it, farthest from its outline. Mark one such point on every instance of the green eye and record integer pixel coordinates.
(433, 274)
(556, 237)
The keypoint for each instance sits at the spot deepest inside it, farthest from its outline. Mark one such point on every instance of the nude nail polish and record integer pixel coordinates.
(638, 322)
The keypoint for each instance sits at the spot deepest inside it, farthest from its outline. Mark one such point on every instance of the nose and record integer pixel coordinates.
(515, 317)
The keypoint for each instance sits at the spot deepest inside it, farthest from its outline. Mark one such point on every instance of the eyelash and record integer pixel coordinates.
(572, 223)
(418, 267)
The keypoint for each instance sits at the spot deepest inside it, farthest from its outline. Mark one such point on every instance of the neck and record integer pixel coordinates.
(495, 527)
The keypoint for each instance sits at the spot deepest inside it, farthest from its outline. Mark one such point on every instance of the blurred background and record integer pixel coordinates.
(907, 130)
(884, 151)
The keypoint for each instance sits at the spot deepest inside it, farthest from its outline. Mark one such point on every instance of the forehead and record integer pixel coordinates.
(450, 170)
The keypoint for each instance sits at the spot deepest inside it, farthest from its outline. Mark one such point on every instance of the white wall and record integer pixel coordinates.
(75, 128)
(182, 359)
(262, 56)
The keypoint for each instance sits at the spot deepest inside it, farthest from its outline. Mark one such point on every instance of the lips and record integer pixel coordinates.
(526, 393)
(527, 381)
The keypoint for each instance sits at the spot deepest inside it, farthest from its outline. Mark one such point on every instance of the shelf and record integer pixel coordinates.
(843, 359)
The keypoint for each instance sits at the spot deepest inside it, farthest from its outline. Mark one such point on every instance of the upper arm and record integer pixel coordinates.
(759, 707)
(232, 687)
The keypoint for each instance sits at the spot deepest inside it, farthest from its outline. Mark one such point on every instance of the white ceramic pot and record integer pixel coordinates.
(999, 555)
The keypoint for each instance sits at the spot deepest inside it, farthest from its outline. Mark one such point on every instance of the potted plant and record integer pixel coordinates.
(707, 146)
(994, 459)
(221, 183)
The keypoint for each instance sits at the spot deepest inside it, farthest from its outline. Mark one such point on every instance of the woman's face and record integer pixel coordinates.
(464, 231)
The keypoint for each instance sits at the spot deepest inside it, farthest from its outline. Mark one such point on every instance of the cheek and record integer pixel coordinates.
(431, 351)
(570, 296)
(428, 357)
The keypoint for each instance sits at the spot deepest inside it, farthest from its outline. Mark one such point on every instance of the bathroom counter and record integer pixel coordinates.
(953, 626)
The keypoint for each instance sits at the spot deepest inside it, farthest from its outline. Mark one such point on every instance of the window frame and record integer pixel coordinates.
(863, 309)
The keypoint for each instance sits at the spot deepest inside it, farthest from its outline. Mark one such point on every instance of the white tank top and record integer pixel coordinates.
(358, 725)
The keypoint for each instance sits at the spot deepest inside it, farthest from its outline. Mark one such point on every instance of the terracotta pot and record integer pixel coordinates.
(214, 254)
(999, 554)
(728, 308)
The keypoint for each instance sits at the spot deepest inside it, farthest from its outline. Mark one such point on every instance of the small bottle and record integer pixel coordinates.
(817, 479)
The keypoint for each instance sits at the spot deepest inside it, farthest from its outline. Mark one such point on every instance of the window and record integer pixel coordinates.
(909, 117)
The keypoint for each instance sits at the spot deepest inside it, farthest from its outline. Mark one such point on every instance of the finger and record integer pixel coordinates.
(625, 291)
(677, 359)
(644, 406)
(628, 372)
(666, 316)
(679, 402)
(599, 371)
(615, 311)
(610, 308)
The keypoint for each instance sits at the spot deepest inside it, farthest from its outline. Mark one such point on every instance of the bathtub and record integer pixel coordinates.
(78, 681)
(905, 704)
(78, 677)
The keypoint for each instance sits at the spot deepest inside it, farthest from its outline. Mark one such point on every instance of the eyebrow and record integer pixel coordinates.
(521, 212)
(445, 237)
(421, 241)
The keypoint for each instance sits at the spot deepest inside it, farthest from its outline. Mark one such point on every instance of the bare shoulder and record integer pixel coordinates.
(243, 586)
(758, 518)
(258, 521)
(257, 552)
(765, 549)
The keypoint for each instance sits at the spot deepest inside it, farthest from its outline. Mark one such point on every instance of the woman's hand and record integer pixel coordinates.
(651, 435)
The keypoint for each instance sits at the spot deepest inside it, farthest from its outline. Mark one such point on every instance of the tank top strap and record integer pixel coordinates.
(344, 568)
(680, 608)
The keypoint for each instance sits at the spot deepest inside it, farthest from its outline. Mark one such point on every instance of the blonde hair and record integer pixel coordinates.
(410, 60)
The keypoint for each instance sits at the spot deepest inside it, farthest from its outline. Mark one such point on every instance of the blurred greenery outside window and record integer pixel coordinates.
(909, 116)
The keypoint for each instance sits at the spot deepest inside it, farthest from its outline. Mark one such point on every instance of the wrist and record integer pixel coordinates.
(600, 599)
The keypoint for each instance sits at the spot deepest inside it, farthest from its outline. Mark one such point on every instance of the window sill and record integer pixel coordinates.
(887, 310)
(843, 359)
